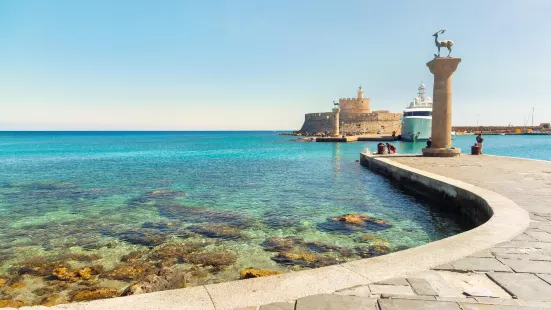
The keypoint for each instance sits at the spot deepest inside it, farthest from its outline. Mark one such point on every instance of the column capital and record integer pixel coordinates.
(444, 65)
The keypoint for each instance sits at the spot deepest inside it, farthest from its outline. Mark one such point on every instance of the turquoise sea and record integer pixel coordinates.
(208, 204)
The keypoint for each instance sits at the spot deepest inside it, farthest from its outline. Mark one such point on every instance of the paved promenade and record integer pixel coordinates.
(512, 275)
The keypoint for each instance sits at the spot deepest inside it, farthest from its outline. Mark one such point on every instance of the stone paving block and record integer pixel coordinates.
(362, 291)
(278, 306)
(479, 264)
(545, 277)
(421, 287)
(405, 304)
(475, 284)
(521, 265)
(524, 237)
(533, 255)
(525, 244)
(440, 284)
(443, 267)
(523, 285)
(335, 302)
(497, 301)
(391, 289)
(395, 281)
(247, 308)
(485, 253)
(394, 296)
(535, 304)
(466, 306)
(541, 236)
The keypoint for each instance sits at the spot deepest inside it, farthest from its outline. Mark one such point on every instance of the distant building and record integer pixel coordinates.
(356, 118)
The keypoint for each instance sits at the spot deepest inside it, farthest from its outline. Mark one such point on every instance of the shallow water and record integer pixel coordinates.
(106, 195)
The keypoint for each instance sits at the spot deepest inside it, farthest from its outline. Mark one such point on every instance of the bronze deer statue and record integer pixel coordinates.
(445, 43)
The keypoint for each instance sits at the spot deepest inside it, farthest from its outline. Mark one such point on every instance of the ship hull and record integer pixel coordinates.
(416, 128)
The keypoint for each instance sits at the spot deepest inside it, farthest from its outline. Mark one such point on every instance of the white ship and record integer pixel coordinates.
(417, 119)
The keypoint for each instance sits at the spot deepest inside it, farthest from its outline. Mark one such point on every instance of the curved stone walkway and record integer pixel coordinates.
(512, 275)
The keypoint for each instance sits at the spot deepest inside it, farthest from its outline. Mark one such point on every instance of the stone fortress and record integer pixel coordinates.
(355, 118)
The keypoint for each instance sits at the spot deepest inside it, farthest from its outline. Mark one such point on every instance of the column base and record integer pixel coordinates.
(441, 152)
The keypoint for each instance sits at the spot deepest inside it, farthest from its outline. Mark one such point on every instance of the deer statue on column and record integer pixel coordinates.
(445, 43)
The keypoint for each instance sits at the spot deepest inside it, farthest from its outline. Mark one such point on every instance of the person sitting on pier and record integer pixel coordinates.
(394, 135)
(391, 148)
(429, 143)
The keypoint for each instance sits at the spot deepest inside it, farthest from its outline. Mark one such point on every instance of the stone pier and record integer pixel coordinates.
(442, 68)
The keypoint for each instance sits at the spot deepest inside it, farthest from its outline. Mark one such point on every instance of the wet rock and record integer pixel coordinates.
(15, 286)
(146, 237)
(215, 260)
(353, 222)
(128, 272)
(256, 273)
(164, 279)
(38, 267)
(52, 300)
(94, 293)
(3, 282)
(279, 244)
(372, 250)
(66, 274)
(4, 303)
(360, 219)
(217, 231)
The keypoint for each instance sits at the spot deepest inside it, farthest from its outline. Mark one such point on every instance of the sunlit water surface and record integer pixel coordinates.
(205, 203)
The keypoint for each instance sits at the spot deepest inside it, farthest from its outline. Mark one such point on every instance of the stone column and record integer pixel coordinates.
(442, 68)
(336, 132)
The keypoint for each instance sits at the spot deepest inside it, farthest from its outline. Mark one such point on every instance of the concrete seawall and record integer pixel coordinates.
(501, 219)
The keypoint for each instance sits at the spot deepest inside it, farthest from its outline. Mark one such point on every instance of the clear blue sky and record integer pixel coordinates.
(250, 64)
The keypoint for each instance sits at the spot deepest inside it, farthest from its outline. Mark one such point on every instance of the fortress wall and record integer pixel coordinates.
(354, 105)
(354, 123)
(366, 127)
(317, 122)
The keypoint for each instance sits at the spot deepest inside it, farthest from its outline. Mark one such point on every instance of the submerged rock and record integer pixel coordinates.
(3, 282)
(372, 239)
(353, 222)
(304, 259)
(281, 244)
(4, 303)
(256, 273)
(133, 257)
(164, 279)
(201, 215)
(52, 300)
(128, 272)
(321, 247)
(94, 293)
(66, 274)
(147, 237)
(38, 267)
(217, 231)
(212, 259)
(372, 250)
